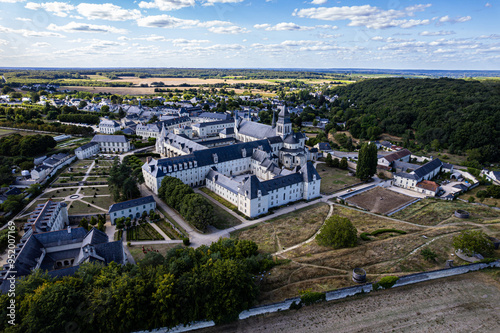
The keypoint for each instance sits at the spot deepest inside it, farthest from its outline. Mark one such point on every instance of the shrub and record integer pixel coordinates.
(311, 297)
(186, 241)
(381, 231)
(473, 241)
(428, 254)
(364, 236)
(295, 305)
(385, 283)
(337, 232)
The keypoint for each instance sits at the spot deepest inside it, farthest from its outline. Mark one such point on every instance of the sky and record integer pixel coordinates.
(390, 34)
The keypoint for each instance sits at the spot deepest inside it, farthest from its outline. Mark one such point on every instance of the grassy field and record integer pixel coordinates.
(333, 179)
(103, 202)
(143, 232)
(286, 230)
(487, 201)
(99, 190)
(79, 207)
(138, 254)
(464, 303)
(380, 200)
(223, 219)
(167, 229)
(432, 212)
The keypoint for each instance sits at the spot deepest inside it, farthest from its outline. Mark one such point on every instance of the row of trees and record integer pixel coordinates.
(79, 118)
(30, 145)
(193, 207)
(210, 282)
(335, 162)
(122, 182)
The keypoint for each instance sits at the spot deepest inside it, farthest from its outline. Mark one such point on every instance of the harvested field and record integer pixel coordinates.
(286, 230)
(433, 212)
(465, 303)
(175, 81)
(380, 200)
(333, 179)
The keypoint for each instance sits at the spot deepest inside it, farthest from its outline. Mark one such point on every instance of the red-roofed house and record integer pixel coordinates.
(402, 155)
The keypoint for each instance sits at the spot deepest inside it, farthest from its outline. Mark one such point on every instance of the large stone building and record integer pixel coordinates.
(153, 130)
(87, 150)
(112, 143)
(131, 208)
(269, 159)
(107, 126)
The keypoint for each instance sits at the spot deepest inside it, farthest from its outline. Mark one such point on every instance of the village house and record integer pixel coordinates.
(112, 143)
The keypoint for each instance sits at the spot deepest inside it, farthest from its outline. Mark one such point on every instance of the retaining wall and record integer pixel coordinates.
(342, 293)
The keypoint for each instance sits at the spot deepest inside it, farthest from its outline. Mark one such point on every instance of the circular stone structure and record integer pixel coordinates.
(74, 196)
(462, 214)
(359, 275)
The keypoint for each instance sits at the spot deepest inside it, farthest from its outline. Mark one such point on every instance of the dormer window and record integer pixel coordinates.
(216, 158)
(244, 152)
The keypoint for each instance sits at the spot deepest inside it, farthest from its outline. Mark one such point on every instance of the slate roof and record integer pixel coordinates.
(275, 139)
(205, 157)
(212, 123)
(281, 181)
(290, 139)
(427, 168)
(86, 146)
(223, 181)
(324, 146)
(308, 171)
(461, 187)
(256, 130)
(131, 203)
(183, 143)
(109, 138)
(213, 115)
(13, 191)
(228, 131)
(406, 175)
(251, 186)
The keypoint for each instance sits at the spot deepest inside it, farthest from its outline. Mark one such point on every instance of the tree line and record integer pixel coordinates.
(29, 145)
(193, 207)
(458, 115)
(211, 282)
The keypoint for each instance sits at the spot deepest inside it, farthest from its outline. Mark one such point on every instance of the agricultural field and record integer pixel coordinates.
(464, 303)
(433, 212)
(380, 200)
(286, 230)
(334, 179)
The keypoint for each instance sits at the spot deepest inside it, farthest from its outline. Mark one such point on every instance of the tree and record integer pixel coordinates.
(104, 108)
(197, 211)
(336, 163)
(328, 160)
(472, 242)
(343, 164)
(338, 232)
(367, 161)
(84, 223)
(14, 203)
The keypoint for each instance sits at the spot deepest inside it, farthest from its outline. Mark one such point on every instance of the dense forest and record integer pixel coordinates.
(185, 285)
(458, 115)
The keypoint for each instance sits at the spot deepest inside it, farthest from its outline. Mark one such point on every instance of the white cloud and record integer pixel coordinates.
(436, 33)
(493, 36)
(234, 29)
(378, 38)
(215, 23)
(488, 5)
(318, 2)
(41, 44)
(85, 27)
(60, 9)
(107, 11)
(3, 42)
(366, 15)
(12, 1)
(30, 33)
(212, 2)
(166, 21)
(283, 26)
(167, 5)
(447, 19)
(23, 19)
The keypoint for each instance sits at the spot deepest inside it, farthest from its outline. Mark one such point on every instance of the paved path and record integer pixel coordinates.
(157, 228)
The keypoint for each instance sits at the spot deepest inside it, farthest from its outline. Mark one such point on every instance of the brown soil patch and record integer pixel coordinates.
(380, 200)
(464, 303)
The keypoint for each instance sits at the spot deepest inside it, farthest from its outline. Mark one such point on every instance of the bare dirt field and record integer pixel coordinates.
(465, 303)
(380, 200)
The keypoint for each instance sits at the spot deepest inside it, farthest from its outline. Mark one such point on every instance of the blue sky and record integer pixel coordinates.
(404, 34)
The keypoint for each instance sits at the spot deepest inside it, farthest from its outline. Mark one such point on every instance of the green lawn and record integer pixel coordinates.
(223, 219)
(334, 179)
(103, 202)
(167, 229)
(99, 190)
(79, 207)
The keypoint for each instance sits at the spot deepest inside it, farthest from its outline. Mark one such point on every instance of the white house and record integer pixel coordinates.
(401, 155)
(153, 130)
(87, 150)
(112, 143)
(132, 208)
(425, 172)
(108, 126)
(492, 176)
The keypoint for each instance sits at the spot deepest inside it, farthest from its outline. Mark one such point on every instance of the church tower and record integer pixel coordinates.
(284, 124)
